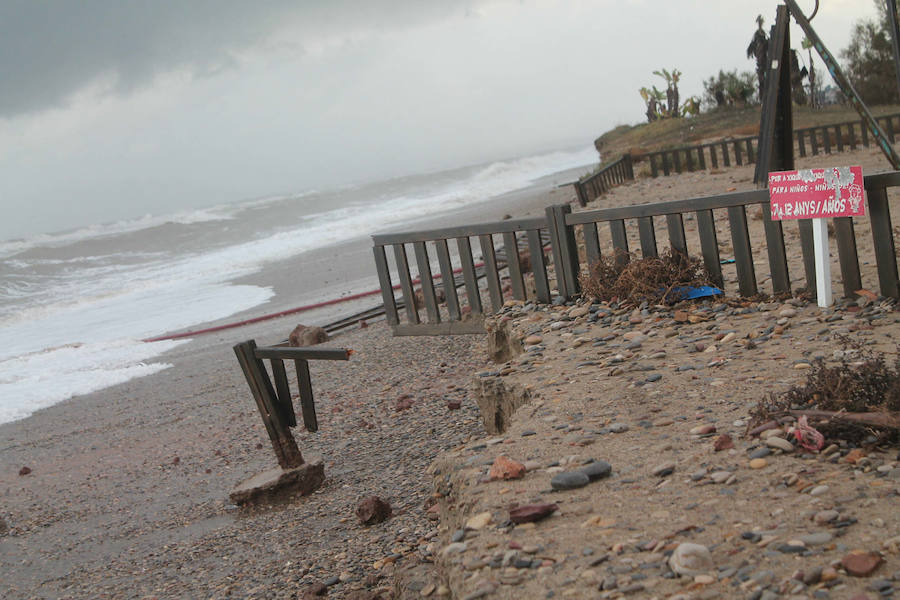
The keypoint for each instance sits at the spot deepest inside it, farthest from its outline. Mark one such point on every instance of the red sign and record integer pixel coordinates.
(817, 193)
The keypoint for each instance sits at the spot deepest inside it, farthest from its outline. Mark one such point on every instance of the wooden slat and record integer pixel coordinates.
(701, 158)
(826, 140)
(800, 143)
(490, 271)
(446, 233)
(654, 172)
(743, 254)
(307, 353)
(591, 243)
(709, 245)
(882, 236)
(665, 162)
(620, 241)
(726, 157)
(737, 153)
(426, 282)
(284, 392)
(814, 140)
(648, 237)
(468, 266)
(538, 266)
(689, 159)
(246, 358)
(675, 227)
(283, 443)
(750, 154)
(840, 140)
(851, 127)
(387, 290)
(712, 156)
(307, 403)
(809, 255)
(849, 261)
(676, 160)
(409, 297)
(781, 281)
(864, 129)
(511, 246)
(448, 280)
(668, 208)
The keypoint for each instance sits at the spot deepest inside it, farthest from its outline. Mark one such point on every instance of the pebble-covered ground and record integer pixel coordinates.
(624, 432)
(128, 491)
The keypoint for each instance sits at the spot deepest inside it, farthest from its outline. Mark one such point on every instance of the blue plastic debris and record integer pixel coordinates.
(689, 293)
(726, 261)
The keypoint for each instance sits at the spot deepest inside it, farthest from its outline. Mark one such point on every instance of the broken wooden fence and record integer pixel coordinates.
(274, 402)
(565, 227)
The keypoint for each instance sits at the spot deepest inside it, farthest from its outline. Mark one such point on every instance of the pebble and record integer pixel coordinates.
(664, 469)
(758, 463)
(825, 516)
(479, 521)
(819, 490)
(777, 442)
(691, 559)
(720, 476)
(597, 470)
(569, 480)
(760, 453)
(816, 539)
(455, 548)
(703, 429)
(618, 427)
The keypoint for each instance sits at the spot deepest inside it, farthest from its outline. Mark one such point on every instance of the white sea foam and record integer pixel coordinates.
(34, 381)
(55, 240)
(70, 326)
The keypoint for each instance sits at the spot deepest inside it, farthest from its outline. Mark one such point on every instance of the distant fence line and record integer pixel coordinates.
(561, 224)
(830, 138)
(598, 183)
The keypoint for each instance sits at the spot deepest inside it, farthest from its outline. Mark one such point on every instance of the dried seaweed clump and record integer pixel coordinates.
(654, 279)
(854, 399)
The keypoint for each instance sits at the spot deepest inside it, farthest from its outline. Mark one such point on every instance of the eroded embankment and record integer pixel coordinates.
(662, 395)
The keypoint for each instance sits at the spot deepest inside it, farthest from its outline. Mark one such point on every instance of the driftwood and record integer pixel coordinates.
(888, 420)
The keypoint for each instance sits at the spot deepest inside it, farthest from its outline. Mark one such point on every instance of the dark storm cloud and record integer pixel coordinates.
(50, 50)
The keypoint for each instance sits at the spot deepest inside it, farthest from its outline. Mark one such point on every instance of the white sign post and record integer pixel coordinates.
(823, 262)
(818, 194)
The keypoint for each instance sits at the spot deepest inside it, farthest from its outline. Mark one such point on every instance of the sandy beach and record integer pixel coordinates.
(128, 491)
(127, 496)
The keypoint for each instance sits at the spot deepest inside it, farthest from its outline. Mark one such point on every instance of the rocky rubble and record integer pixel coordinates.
(631, 428)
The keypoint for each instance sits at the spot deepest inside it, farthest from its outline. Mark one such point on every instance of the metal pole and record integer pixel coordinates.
(842, 82)
(895, 36)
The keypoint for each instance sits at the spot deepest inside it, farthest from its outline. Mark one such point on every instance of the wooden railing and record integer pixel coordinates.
(736, 206)
(564, 227)
(825, 138)
(596, 184)
(454, 316)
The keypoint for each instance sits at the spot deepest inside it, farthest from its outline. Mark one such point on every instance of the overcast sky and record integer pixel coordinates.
(113, 109)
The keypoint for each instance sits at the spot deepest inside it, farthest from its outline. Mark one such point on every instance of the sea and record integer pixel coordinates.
(75, 306)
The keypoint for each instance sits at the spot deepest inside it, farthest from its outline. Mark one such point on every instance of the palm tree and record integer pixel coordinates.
(759, 48)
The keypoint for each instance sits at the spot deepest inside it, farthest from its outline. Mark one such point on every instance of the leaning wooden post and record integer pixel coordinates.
(286, 451)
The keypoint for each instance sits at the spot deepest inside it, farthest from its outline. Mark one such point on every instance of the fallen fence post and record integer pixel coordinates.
(293, 474)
